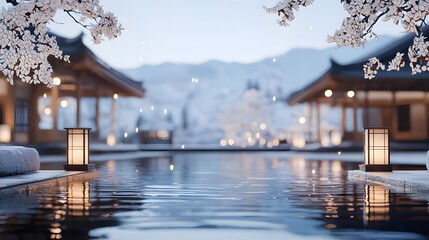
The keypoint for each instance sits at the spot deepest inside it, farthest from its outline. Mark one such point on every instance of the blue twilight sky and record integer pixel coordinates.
(194, 31)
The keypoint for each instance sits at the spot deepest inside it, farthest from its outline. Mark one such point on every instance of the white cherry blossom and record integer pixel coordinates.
(357, 27)
(25, 45)
(370, 69)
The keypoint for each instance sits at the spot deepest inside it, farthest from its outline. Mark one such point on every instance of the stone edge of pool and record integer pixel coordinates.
(413, 181)
(27, 183)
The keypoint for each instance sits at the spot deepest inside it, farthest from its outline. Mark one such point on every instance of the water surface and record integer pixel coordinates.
(216, 196)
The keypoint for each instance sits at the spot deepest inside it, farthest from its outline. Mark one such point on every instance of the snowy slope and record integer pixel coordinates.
(177, 100)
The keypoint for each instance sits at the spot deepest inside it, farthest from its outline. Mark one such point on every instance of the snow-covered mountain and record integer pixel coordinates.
(190, 96)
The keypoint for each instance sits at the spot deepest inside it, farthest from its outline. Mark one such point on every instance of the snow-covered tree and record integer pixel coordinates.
(25, 44)
(248, 120)
(363, 15)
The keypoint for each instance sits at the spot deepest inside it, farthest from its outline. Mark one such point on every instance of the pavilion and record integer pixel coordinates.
(394, 99)
(29, 113)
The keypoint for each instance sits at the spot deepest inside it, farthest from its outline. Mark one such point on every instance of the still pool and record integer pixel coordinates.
(216, 196)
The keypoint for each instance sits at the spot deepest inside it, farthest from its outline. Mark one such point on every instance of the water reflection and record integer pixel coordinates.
(248, 192)
(78, 198)
(377, 204)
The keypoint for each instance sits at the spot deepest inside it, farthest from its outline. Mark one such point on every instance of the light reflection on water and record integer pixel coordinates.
(216, 196)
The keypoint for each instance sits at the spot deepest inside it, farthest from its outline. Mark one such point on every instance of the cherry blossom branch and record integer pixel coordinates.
(25, 45)
(357, 28)
(75, 20)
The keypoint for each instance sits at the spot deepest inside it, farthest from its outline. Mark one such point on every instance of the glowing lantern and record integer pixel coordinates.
(5, 133)
(376, 150)
(78, 150)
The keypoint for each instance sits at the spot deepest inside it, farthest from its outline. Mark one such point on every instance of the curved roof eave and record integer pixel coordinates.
(74, 47)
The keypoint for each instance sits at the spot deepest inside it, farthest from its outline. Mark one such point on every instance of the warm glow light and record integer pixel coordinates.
(77, 149)
(328, 93)
(111, 140)
(47, 111)
(276, 142)
(325, 140)
(64, 103)
(163, 134)
(5, 133)
(223, 142)
(299, 141)
(115, 96)
(231, 142)
(376, 149)
(336, 138)
(301, 120)
(350, 94)
(377, 203)
(263, 126)
(44, 95)
(78, 203)
(56, 81)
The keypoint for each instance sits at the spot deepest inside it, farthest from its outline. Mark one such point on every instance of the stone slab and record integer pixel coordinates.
(25, 183)
(413, 181)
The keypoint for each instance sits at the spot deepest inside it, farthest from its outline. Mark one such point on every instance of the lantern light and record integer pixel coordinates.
(78, 150)
(5, 133)
(377, 203)
(56, 81)
(376, 150)
(328, 93)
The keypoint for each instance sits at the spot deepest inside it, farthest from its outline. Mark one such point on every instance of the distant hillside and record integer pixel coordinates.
(169, 86)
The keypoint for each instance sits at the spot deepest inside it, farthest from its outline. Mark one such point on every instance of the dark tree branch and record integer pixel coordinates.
(69, 12)
(13, 2)
(369, 30)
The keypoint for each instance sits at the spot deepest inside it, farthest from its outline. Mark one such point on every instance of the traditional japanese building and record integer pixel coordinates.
(394, 99)
(30, 113)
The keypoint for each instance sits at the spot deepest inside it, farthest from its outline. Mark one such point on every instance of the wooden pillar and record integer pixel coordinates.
(366, 113)
(33, 115)
(54, 106)
(394, 119)
(318, 120)
(113, 116)
(427, 114)
(97, 114)
(310, 121)
(343, 119)
(355, 130)
(78, 97)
